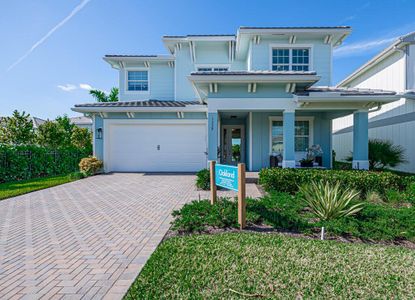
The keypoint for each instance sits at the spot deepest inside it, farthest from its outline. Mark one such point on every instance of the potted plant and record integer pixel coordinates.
(307, 162)
(317, 153)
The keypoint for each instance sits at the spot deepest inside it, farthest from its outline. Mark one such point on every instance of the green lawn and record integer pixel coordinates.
(12, 189)
(227, 266)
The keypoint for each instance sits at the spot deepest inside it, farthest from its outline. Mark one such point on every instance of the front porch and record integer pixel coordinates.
(252, 137)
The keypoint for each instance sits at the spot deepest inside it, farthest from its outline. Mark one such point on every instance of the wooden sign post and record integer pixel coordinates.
(232, 178)
(212, 182)
(241, 196)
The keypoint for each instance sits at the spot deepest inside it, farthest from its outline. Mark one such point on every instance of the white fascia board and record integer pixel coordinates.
(252, 78)
(337, 98)
(190, 108)
(260, 31)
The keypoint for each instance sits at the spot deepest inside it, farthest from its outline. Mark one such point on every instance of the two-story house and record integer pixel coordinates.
(391, 69)
(230, 98)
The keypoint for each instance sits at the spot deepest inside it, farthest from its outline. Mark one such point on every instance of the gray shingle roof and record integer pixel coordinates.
(254, 73)
(147, 103)
(345, 91)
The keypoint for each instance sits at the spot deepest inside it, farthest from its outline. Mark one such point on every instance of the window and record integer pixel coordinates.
(301, 140)
(210, 69)
(290, 59)
(137, 81)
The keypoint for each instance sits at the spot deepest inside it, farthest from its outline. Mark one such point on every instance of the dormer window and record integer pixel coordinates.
(137, 81)
(290, 59)
(214, 69)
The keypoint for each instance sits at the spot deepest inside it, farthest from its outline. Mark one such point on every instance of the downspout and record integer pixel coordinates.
(375, 109)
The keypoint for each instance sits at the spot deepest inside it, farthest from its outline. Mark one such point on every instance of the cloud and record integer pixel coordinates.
(77, 9)
(85, 86)
(358, 48)
(67, 87)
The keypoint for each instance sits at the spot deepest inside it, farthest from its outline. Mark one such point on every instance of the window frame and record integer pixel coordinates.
(290, 47)
(212, 67)
(127, 91)
(310, 120)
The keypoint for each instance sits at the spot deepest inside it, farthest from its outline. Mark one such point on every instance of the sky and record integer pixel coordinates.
(51, 51)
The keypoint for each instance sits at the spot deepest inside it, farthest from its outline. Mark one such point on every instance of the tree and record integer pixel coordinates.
(82, 138)
(328, 202)
(17, 129)
(55, 134)
(100, 96)
(383, 154)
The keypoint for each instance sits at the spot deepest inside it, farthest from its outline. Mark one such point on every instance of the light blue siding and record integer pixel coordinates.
(213, 136)
(241, 91)
(323, 137)
(321, 56)
(184, 66)
(212, 53)
(360, 136)
(98, 143)
(161, 83)
(288, 131)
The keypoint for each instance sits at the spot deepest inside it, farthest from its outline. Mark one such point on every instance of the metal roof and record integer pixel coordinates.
(146, 103)
(132, 55)
(233, 73)
(345, 91)
(296, 27)
(195, 35)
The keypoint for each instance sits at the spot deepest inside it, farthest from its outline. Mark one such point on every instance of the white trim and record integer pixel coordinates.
(288, 163)
(310, 119)
(250, 140)
(93, 135)
(290, 47)
(243, 140)
(248, 78)
(126, 70)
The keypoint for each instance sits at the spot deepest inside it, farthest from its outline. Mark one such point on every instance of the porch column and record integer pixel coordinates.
(213, 136)
(288, 133)
(360, 140)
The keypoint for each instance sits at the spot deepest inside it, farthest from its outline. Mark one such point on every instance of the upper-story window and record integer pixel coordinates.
(210, 69)
(137, 81)
(290, 59)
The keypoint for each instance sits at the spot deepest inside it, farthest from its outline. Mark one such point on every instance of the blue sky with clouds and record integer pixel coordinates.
(51, 51)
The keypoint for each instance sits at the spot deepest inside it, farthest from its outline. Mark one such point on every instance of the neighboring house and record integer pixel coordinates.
(230, 98)
(82, 122)
(392, 69)
(36, 122)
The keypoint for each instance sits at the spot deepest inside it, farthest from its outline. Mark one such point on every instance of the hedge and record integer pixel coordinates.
(27, 162)
(288, 180)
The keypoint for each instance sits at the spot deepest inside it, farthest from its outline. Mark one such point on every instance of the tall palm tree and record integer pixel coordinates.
(100, 96)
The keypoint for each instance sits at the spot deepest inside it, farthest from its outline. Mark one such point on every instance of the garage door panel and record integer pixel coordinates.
(134, 147)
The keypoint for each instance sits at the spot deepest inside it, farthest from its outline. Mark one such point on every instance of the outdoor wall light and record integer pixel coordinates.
(99, 133)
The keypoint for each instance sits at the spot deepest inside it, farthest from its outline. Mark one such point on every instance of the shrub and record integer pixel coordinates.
(27, 162)
(376, 222)
(203, 179)
(90, 166)
(288, 180)
(17, 129)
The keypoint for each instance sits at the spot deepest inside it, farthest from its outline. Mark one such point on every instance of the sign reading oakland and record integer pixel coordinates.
(226, 176)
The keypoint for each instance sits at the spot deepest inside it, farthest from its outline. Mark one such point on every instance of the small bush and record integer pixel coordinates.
(203, 179)
(90, 166)
(376, 222)
(288, 180)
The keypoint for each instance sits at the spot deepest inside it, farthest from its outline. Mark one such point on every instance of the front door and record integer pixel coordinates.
(233, 144)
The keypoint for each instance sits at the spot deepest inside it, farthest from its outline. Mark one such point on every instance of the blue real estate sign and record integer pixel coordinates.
(226, 176)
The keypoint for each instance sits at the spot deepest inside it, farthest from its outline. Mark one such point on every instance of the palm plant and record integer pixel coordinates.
(100, 96)
(328, 201)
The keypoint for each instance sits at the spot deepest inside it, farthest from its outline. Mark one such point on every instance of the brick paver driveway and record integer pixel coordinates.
(86, 239)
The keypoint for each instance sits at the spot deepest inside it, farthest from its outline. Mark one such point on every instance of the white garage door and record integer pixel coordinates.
(140, 146)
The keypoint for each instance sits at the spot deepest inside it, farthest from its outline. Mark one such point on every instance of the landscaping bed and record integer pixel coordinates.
(269, 266)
